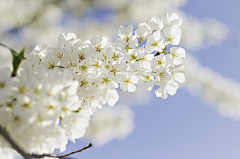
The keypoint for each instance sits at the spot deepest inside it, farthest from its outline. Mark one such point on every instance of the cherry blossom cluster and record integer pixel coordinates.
(57, 89)
(33, 104)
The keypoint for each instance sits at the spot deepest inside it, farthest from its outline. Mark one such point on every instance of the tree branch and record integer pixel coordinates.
(6, 135)
(84, 148)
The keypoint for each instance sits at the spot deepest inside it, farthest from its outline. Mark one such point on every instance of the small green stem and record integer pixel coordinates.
(12, 50)
(140, 41)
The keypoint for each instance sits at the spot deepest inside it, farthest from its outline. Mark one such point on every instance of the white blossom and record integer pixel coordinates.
(155, 42)
(55, 92)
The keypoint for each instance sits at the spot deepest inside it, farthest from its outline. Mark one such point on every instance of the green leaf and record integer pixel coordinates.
(17, 59)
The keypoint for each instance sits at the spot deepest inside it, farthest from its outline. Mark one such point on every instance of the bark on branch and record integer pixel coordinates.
(15, 146)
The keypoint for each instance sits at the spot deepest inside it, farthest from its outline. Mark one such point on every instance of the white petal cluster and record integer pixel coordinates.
(8, 153)
(57, 89)
(34, 102)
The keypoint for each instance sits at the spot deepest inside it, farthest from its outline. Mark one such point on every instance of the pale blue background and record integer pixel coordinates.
(185, 127)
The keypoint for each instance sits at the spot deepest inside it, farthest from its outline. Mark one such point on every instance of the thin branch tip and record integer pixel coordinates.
(55, 156)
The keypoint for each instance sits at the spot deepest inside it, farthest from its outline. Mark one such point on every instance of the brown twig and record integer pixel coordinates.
(84, 148)
(15, 146)
(90, 145)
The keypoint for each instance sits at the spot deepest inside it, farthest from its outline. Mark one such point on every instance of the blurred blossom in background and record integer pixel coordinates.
(181, 124)
(110, 123)
(28, 23)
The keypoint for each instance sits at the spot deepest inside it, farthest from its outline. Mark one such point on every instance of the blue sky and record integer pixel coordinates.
(185, 127)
